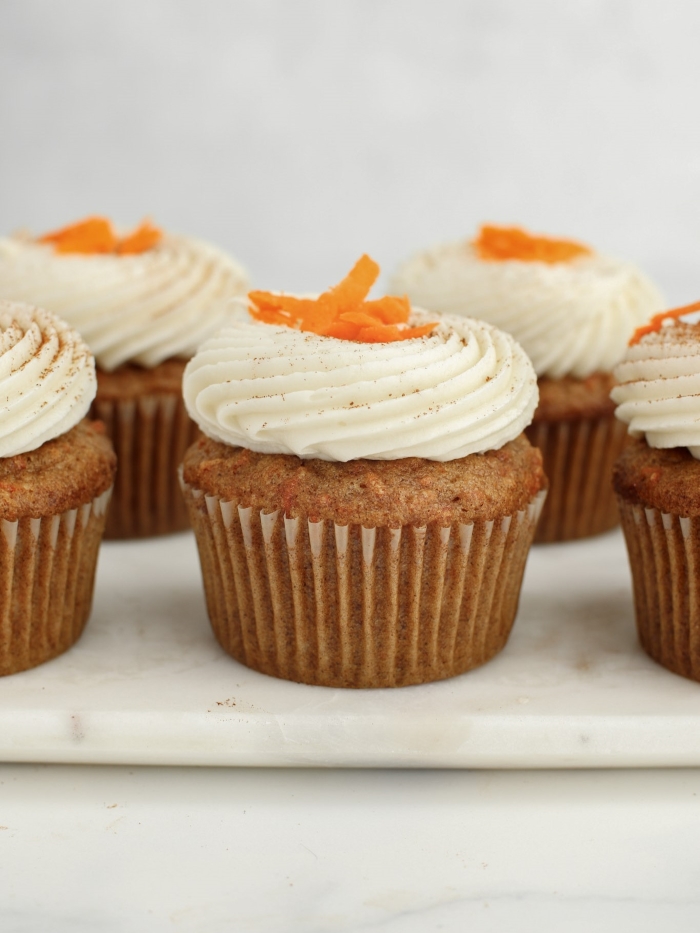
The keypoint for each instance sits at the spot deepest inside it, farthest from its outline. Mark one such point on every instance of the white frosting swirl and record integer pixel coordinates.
(659, 391)
(465, 388)
(572, 318)
(47, 378)
(141, 308)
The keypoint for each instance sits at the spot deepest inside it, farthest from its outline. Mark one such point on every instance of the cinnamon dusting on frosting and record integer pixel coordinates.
(95, 235)
(499, 244)
(342, 311)
(657, 322)
(467, 388)
(47, 378)
(658, 391)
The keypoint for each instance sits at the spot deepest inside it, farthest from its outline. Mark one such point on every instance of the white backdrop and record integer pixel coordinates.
(299, 133)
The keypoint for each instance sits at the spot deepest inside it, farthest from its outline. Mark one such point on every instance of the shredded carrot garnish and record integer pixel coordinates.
(341, 330)
(390, 309)
(497, 244)
(144, 237)
(360, 318)
(96, 235)
(656, 323)
(354, 288)
(92, 235)
(342, 311)
(421, 331)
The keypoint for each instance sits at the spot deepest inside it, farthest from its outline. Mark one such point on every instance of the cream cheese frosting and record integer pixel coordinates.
(141, 308)
(659, 391)
(465, 388)
(572, 318)
(47, 378)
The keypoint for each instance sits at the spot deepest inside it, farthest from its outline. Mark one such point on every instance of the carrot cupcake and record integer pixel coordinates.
(56, 472)
(573, 311)
(657, 481)
(143, 301)
(364, 498)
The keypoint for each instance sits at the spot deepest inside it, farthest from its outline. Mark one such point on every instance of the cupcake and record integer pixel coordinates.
(363, 497)
(573, 311)
(657, 482)
(56, 473)
(143, 302)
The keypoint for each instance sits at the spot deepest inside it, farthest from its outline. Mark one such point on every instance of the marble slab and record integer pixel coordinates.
(148, 684)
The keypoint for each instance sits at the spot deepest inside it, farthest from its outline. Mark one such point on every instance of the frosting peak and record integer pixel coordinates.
(464, 388)
(47, 378)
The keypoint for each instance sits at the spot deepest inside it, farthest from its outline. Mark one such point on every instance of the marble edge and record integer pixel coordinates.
(479, 742)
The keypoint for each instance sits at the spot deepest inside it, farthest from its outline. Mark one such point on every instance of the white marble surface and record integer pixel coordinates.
(158, 850)
(148, 684)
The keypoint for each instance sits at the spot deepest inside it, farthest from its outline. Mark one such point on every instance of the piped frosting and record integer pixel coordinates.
(658, 394)
(130, 305)
(572, 310)
(463, 388)
(47, 378)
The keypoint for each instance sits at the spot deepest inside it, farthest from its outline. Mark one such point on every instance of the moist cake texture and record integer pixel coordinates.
(60, 475)
(371, 493)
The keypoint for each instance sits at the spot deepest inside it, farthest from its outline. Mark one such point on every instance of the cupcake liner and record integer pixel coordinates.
(578, 458)
(664, 555)
(47, 571)
(347, 606)
(150, 436)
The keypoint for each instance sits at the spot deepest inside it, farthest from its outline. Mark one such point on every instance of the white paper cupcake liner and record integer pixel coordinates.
(664, 555)
(47, 571)
(347, 606)
(578, 458)
(150, 436)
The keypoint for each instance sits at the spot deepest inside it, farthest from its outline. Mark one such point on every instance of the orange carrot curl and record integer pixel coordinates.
(96, 235)
(342, 311)
(497, 244)
(143, 238)
(656, 323)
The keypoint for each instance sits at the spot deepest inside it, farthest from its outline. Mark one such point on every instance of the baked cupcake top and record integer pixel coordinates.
(572, 309)
(658, 394)
(47, 378)
(139, 298)
(345, 378)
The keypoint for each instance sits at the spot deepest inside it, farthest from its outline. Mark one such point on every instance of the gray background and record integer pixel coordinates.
(299, 134)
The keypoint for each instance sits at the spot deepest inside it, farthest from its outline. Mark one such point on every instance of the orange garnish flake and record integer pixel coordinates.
(144, 237)
(95, 235)
(342, 311)
(92, 235)
(498, 244)
(657, 322)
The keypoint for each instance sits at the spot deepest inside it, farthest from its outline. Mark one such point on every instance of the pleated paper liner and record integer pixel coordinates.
(578, 458)
(150, 436)
(47, 571)
(347, 606)
(664, 555)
